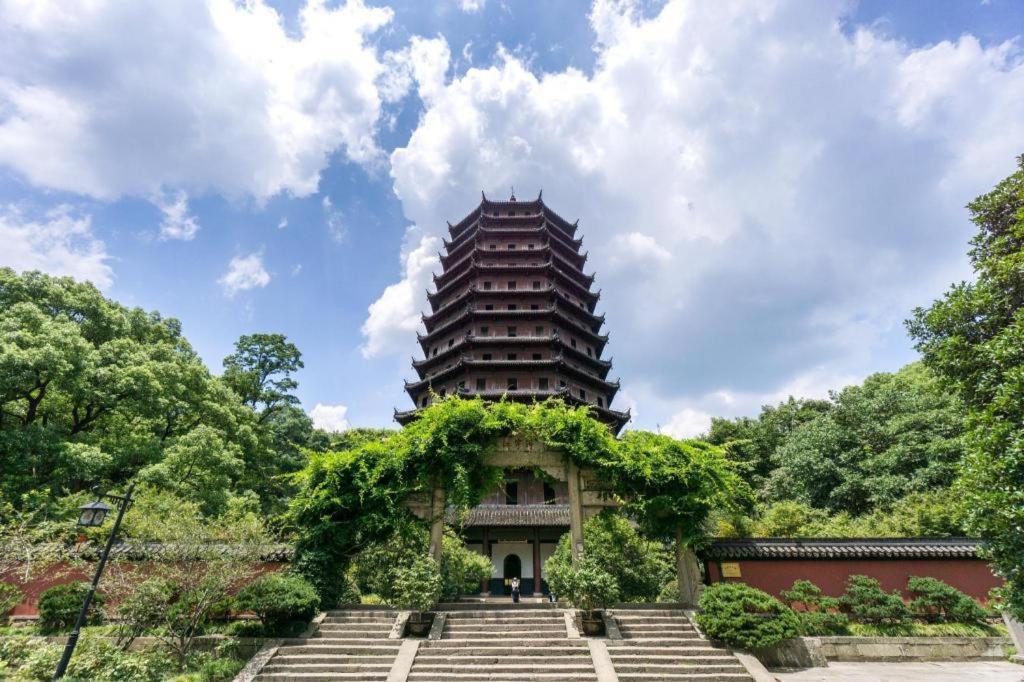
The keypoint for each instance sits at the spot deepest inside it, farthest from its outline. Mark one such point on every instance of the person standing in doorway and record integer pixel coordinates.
(515, 590)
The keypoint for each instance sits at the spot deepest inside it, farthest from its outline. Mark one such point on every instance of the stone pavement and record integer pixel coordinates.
(909, 672)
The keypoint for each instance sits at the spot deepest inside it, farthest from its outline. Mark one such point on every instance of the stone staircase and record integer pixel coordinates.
(659, 644)
(504, 644)
(348, 645)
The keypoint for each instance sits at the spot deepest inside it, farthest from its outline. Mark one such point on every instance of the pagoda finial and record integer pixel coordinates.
(512, 196)
(540, 194)
(483, 197)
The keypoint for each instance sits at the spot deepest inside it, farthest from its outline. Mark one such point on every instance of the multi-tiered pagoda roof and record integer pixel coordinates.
(513, 315)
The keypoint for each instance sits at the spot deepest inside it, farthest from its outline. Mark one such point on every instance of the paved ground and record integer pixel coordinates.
(908, 672)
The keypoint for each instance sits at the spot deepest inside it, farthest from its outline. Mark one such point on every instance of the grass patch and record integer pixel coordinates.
(928, 630)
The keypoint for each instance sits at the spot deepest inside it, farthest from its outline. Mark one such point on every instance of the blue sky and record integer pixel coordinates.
(766, 189)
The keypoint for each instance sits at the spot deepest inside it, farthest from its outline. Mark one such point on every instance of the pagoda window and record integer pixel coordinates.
(572, 342)
(513, 384)
(512, 285)
(549, 494)
(583, 394)
(481, 384)
(539, 331)
(561, 383)
(529, 247)
(511, 492)
(512, 356)
(542, 383)
(536, 286)
(423, 401)
(435, 351)
(536, 356)
(488, 306)
(487, 286)
(511, 331)
(600, 402)
(487, 356)
(511, 247)
(534, 306)
(590, 352)
(513, 306)
(492, 247)
(462, 385)
(484, 331)
(451, 342)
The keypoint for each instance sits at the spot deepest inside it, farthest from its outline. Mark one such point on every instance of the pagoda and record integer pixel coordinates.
(513, 315)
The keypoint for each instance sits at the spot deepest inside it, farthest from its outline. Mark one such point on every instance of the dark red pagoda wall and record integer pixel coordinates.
(971, 576)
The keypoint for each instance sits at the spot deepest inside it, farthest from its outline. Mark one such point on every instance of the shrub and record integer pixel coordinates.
(818, 614)
(866, 602)
(742, 616)
(639, 566)
(279, 599)
(59, 607)
(588, 587)
(142, 609)
(417, 587)
(938, 602)
(669, 592)
(10, 596)
(462, 569)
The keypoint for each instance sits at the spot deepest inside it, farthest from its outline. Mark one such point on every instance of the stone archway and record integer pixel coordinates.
(512, 567)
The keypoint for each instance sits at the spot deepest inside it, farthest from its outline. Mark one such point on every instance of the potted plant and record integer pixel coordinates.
(592, 589)
(418, 589)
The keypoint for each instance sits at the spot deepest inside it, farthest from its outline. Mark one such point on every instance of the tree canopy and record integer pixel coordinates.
(973, 338)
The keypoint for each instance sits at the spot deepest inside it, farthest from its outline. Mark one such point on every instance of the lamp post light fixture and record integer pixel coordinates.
(92, 516)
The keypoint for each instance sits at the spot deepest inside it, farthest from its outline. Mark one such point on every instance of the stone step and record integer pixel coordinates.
(293, 667)
(686, 677)
(509, 619)
(475, 658)
(678, 668)
(681, 642)
(331, 658)
(336, 650)
(505, 635)
(504, 677)
(505, 627)
(509, 643)
(674, 652)
(720, 657)
(583, 666)
(319, 677)
(656, 628)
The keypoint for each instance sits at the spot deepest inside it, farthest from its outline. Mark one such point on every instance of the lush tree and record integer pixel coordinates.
(974, 339)
(639, 567)
(260, 372)
(752, 442)
(893, 435)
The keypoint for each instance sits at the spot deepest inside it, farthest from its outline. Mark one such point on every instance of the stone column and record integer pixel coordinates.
(687, 572)
(575, 511)
(485, 585)
(436, 523)
(536, 563)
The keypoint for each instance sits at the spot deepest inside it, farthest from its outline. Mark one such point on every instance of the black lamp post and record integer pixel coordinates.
(93, 514)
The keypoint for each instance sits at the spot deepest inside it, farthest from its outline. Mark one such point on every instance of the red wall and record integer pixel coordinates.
(971, 576)
(62, 573)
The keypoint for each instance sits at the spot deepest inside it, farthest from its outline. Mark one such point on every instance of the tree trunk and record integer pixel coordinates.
(687, 572)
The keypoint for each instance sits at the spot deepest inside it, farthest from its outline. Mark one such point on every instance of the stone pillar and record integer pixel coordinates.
(485, 584)
(575, 511)
(537, 591)
(687, 572)
(436, 523)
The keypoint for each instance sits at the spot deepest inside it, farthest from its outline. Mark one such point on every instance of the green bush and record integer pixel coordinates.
(279, 600)
(417, 587)
(220, 669)
(10, 596)
(142, 609)
(938, 602)
(742, 616)
(866, 602)
(59, 607)
(818, 614)
(588, 587)
(639, 566)
(669, 592)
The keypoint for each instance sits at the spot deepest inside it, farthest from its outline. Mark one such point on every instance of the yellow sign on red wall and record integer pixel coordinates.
(731, 570)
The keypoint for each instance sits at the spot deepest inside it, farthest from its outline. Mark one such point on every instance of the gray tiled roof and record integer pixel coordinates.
(519, 515)
(845, 548)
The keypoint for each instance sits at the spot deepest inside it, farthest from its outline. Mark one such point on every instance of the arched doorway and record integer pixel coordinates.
(512, 568)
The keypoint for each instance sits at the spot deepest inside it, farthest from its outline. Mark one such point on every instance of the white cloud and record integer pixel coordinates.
(177, 223)
(635, 248)
(334, 218)
(283, 223)
(329, 417)
(111, 98)
(808, 183)
(472, 5)
(244, 273)
(58, 243)
(687, 423)
(394, 317)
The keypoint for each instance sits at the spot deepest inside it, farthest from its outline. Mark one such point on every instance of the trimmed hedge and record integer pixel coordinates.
(59, 607)
(279, 600)
(743, 616)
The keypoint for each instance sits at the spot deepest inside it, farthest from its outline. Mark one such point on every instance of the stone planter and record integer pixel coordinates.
(592, 624)
(419, 624)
